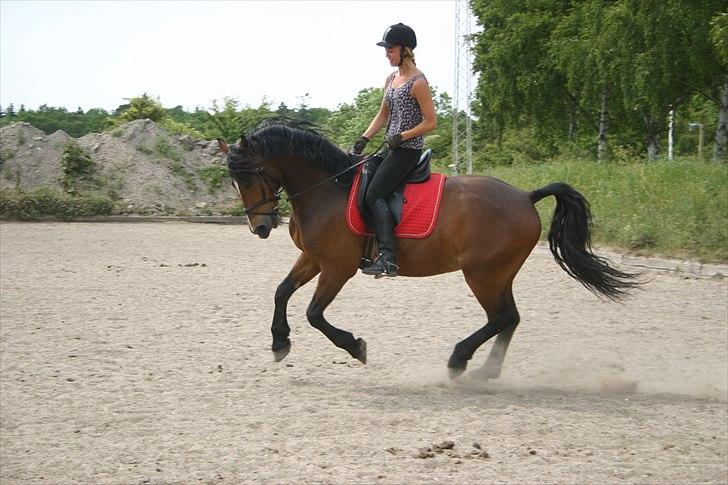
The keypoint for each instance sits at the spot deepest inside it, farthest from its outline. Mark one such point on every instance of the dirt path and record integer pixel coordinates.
(140, 353)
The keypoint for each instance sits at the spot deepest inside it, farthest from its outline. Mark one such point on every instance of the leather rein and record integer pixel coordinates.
(276, 186)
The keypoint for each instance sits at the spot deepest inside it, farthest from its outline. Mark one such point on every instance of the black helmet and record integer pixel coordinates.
(399, 34)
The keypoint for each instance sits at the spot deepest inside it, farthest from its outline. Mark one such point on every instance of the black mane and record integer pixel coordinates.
(279, 137)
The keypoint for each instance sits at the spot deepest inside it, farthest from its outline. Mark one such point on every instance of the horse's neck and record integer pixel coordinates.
(300, 180)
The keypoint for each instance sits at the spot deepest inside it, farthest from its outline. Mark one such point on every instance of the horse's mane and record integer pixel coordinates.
(278, 137)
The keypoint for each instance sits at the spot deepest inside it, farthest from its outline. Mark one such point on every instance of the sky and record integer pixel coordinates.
(93, 54)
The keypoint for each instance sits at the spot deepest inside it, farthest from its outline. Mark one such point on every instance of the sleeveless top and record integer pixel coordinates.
(404, 111)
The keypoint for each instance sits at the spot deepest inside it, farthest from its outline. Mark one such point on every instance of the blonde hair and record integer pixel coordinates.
(408, 57)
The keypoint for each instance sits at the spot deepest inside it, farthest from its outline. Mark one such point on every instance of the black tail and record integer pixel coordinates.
(570, 243)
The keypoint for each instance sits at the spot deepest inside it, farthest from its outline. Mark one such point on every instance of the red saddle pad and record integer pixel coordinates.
(419, 211)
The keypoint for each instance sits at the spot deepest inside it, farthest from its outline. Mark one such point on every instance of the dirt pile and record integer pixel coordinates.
(140, 165)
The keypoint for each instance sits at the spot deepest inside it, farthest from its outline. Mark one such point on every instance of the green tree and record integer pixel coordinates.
(230, 122)
(618, 65)
(719, 41)
(519, 83)
(349, 121)
(139, 108)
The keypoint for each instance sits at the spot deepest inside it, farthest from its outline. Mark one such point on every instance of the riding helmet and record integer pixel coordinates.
(399, 34)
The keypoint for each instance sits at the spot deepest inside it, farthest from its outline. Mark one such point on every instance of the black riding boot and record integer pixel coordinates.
(386, 264)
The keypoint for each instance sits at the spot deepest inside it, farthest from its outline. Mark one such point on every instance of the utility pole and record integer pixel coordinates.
(701, 139)
(671, 125)
(462, 141)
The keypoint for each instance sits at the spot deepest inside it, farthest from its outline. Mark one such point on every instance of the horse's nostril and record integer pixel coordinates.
(263, 231)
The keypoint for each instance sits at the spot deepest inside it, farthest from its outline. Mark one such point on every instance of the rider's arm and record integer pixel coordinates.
(382, 117)
(421, 92)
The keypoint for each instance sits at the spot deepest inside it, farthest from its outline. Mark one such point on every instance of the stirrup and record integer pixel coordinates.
(381, 268)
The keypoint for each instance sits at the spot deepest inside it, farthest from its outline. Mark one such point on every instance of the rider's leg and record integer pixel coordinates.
(388, 176)
(384, 230)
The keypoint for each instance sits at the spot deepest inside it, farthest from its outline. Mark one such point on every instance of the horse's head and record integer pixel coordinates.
(259, 188)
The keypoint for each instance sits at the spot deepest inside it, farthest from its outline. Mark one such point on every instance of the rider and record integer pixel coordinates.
(409, 113)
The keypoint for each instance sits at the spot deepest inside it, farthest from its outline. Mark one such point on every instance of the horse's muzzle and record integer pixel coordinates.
(262, 230)
(262, 226)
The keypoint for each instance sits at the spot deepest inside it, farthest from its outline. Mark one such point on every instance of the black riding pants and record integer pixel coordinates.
(390, 172)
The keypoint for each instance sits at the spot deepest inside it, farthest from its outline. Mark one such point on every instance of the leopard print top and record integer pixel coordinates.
(404, 111)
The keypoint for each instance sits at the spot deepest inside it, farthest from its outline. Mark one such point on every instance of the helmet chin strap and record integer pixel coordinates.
(401, 57)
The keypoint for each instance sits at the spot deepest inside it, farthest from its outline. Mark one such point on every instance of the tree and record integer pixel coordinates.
(520, 83)
(719, 40)
(619, 65)
(139, 108)
(349, 121)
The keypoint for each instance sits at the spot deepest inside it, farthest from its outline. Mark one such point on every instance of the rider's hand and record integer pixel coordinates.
(394, 141)
(360, 144)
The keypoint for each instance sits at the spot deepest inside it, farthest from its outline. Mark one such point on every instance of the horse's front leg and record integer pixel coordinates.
(329, 284)
(301, 273)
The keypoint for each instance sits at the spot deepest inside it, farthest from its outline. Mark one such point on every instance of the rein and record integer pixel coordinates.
(272, 183)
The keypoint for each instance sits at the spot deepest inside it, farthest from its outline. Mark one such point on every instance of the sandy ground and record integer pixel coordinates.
(139, 353)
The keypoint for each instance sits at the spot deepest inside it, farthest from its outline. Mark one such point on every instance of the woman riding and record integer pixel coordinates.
(409, 113)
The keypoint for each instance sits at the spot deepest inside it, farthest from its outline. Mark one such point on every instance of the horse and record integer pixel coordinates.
(486, 229)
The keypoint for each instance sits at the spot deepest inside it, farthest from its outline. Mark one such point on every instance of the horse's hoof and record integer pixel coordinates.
(281, 351)
(453, 372)
(360, 351)
(456, 365)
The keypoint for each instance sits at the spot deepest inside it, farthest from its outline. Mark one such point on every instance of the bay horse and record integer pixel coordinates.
(486, 229)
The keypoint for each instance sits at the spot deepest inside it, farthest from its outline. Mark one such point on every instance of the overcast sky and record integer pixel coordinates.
(95, 54)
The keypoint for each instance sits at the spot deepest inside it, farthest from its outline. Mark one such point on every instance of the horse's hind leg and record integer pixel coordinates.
(497, 300)
(303, 270)
(329, 284)
(493, 365)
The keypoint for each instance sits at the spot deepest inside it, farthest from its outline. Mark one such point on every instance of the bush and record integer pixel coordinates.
(44, 202)
(75, 165)
(214, 176)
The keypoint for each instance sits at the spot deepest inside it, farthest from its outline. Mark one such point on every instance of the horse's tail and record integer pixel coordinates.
(570, 243)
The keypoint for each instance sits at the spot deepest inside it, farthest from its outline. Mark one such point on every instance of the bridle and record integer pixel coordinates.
(276, 186)
(273, 185)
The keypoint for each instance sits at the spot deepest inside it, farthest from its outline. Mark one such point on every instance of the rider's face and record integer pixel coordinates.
(393, 55)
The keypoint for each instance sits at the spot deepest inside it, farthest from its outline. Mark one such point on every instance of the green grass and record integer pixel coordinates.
(178, 169)
(676, 209)
(214, 175)
(164, 148)
(45, 202)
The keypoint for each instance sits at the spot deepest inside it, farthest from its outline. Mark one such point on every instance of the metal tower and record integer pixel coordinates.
(462, 146)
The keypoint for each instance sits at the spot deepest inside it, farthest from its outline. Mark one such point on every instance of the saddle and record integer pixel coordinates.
(419, 174)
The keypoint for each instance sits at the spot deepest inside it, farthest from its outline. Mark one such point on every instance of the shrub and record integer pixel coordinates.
(179, 169)
(75, 165)
(45, 202)
(214, 176)
(164, 148)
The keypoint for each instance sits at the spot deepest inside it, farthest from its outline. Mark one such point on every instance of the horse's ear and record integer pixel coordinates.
(223, 146)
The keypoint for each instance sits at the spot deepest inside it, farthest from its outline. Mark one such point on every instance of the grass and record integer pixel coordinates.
(43, 202)
(164, 148)
(178, 169)
(214, 175)
(676, 209)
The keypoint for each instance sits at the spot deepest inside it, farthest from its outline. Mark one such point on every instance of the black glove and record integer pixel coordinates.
(394, 140)
(360, 144)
